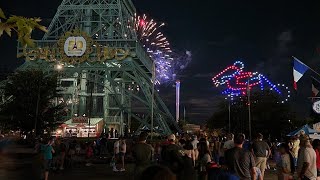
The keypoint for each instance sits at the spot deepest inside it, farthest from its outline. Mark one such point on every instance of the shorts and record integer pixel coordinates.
(121, 154)
(261, 163)
(47, 164)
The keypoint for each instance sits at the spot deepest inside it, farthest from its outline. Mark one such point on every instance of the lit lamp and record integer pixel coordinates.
(58, 67)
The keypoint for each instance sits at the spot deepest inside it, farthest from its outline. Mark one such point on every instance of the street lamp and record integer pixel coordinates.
(152, 94)
(57, 67)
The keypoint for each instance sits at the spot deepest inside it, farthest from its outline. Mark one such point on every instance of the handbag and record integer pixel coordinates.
(212, 165)
(113, 162)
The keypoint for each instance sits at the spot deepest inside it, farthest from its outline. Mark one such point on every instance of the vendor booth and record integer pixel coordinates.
(306, 130)
(82, 126)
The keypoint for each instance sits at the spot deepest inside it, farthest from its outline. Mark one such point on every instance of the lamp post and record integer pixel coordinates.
(152, 98)
(58, 67)
(249, 107)
(90, 108)
(229, 109)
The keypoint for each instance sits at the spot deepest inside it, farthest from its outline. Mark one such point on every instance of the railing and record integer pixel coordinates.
(113, 119)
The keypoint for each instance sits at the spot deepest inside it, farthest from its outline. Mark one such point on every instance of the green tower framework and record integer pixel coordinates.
(110, 71)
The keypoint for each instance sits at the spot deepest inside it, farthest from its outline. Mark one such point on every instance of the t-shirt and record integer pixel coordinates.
(295, 147)
(47, 151)
(143, 154)
(318, 158)
(228, 144)
(117, 147)
(195, 143)
(123, 147)
(240, 162)
(260, 148)
(308, 155)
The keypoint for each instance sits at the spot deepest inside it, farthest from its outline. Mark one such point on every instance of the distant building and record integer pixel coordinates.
(80, 127)
(191, 128)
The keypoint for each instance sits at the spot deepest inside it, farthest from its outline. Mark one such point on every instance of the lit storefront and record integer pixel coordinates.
(80, 127)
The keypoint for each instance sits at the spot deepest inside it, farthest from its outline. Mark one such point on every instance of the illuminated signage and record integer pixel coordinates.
(80, 120)
(76, 47)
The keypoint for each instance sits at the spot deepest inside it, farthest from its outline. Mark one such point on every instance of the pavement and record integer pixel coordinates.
(17, 163)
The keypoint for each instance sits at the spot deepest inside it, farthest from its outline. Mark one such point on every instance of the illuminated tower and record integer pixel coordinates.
(177, 100)
(113, 65)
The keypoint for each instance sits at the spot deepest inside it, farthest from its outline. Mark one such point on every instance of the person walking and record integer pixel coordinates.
(261, 151)
(204, 159)
(142, 153)
(316, 147)
(240, 162)
(47, 151)
(116, 151)
(307, 160)
(122, 153)
(285, 165)
(194, 143)
(229, 143)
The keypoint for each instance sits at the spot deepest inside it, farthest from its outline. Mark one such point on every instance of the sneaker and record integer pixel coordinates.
(88, 164)
(115, 169)
(122, 170)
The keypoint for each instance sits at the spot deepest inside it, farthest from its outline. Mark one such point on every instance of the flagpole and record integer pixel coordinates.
(249, 108)
(315, 79)
(307, 66)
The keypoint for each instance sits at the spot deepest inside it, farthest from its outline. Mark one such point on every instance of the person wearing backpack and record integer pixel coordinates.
(173, 157)
(47, 151)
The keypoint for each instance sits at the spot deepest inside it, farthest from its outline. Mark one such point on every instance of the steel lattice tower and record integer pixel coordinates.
(120, 89)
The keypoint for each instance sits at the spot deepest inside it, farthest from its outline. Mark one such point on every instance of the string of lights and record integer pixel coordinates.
(238, 82)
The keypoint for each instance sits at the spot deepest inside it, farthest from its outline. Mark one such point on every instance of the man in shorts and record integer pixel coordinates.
(261, 151)
(47, 151)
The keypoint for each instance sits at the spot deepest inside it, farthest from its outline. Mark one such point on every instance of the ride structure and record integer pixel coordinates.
(104, 71)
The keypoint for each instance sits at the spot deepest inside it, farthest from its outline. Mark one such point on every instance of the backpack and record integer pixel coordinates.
(173, 158)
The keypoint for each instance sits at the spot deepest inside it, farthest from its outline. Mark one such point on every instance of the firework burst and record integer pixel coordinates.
(158, 47)
(148, 32)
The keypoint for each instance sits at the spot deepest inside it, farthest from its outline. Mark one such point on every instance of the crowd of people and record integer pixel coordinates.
(188, 157)
(58, 154)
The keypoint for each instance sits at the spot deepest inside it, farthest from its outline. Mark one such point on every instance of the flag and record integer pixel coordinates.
(315, 87)
(299, 68)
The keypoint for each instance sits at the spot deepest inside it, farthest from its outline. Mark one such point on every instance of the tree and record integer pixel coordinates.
(268, 115)
(32, 93)
(22, 26)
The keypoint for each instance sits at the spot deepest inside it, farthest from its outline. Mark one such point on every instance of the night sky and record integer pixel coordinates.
(263, 34)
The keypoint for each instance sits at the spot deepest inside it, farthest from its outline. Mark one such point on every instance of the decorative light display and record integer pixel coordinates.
(239, 82)
(167, 63)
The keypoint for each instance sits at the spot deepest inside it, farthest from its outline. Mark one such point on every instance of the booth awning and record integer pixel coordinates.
(93, 122)
(306, 128)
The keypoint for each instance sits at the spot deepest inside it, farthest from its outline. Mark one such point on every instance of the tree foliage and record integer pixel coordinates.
(268, 115)
(22, 26)
(27, 89)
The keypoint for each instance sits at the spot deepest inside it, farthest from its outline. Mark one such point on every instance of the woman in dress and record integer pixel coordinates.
(204, 159)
